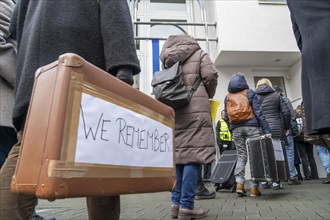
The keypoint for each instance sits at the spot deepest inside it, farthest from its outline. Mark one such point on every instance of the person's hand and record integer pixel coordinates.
(268, 135)
(125, 74)
(287, 132)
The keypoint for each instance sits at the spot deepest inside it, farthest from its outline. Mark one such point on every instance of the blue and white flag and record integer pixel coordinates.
(155, 56)
(156, 47)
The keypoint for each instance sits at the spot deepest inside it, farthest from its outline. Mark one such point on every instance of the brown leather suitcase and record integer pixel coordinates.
(89, 134)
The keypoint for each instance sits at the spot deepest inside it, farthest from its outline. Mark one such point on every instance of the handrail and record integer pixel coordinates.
(164, 38)
(173, 23)
(296, 99)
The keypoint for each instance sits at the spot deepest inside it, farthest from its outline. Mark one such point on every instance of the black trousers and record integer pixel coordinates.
(307, 159)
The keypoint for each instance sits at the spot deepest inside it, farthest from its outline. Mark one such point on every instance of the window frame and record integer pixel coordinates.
(271, 79)
(272, 2)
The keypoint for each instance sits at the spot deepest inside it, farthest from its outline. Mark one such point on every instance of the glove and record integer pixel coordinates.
(125, 74)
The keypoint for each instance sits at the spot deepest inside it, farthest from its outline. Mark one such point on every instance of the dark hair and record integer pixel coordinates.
(278, 89)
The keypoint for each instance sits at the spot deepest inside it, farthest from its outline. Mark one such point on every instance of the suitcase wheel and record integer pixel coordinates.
(217, 187)
(233, 188)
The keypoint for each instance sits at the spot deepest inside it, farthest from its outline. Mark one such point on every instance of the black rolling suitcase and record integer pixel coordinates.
(223, 174)
(262, 159)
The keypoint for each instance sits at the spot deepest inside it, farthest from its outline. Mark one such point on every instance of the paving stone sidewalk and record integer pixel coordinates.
(311, 200)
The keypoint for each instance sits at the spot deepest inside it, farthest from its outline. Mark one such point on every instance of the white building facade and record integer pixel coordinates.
(248, 36)
(253, 37)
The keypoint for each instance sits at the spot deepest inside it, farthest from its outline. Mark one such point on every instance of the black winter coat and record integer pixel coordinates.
(99, 31)
(276, 111)
(311, 26)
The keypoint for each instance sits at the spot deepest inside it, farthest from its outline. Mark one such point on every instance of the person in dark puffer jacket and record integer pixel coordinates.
(244, 130)
(277, 114)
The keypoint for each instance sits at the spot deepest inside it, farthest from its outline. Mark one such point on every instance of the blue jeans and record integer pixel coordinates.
(323, 153)
(290, 155)
(186, 185)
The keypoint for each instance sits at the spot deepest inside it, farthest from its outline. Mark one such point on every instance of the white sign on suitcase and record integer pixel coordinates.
(114, 135)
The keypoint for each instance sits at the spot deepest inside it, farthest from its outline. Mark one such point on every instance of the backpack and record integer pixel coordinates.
(169, 88)
(238, 107)
(297, 126)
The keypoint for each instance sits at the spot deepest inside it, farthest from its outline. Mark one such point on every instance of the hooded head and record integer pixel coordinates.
(237, 83)
(264, 86)
(178, 48)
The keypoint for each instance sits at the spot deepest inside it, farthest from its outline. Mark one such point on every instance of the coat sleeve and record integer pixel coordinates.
(209, 74)
(285, 111)
(217, 129)
(7, 45)
(118, 37)
(226, 118)
(253, 99)
(296, 32)
(292, 111)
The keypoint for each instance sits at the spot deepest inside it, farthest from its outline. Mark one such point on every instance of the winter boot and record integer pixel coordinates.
(203, 193)
(240, 190)
(255, 192)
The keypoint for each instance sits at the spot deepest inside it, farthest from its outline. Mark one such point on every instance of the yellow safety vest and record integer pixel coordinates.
(224, 132)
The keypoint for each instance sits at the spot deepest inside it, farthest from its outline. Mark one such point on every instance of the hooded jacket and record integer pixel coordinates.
(99, 31)
(275, 110)
(236, 84)
(194, 137)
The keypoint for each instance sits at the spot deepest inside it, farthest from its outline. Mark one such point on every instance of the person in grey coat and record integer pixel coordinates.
(7, 80)
(194, 138)
(8, 135)
(311, 27)
(98, 30)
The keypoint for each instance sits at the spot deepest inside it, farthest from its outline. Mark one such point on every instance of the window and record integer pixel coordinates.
(276, 81)
(282, 2)
(163, 31)
(167, 30)
(168, 5)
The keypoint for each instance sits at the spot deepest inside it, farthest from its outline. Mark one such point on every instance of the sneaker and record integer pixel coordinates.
(38, 217)
(264, 185)
(327, 180)
(307, 178)
(300, 177)
(240, 190)
(293, 181)
(255, 192)
(188, 214)
(277, 185)
(203, 193)
(174, 210)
